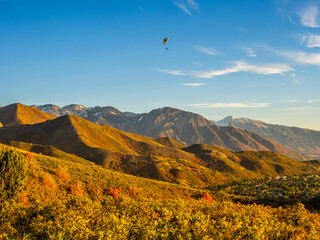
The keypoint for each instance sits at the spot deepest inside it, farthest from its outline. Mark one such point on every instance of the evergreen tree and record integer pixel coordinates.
(12, 173)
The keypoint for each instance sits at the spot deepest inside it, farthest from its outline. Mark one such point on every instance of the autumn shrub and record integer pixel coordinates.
(207, 197)
(48, 181)
(133, 191)
(12, 173)
(29, 155)
(115, 192)
(62, 174)
(76, 189)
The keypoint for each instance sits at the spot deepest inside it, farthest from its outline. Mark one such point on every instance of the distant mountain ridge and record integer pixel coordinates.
(305, 141)
(185, 127)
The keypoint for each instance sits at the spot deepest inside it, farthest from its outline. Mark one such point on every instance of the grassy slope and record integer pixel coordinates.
(48, 208)
(16, 114)
(86, 171)
(205, 169)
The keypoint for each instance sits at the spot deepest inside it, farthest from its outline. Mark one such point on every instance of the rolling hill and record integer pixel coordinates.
(17, 114)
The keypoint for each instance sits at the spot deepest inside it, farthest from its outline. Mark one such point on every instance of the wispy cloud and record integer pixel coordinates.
(313, 101)
(249, 51)
(183, 7)
(229, 105)
(187, 5)
(209, 51)
(293, 101)
(241, 66)
(311, 40)
(194, 84)
(197, 63)
(308, 16)
(173, 72)
(302, 57)
(193, 4)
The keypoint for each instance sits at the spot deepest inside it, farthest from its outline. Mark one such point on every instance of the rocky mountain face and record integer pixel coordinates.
(100, 115)
(305, 141)
(185, 127)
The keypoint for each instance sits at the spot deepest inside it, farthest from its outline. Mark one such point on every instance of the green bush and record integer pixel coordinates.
(12, 173)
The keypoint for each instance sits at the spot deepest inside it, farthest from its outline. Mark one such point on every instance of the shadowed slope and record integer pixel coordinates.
(75, 135)
(169, 142)
(17, 114)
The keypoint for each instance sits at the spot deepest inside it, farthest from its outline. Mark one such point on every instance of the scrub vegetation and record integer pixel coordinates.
(72, 198)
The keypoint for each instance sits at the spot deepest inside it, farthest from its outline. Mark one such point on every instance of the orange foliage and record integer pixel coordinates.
(196, 160)
(207, 197)
(115, 192)
(29, 155)
(24, 200)
(133, 191)
(76, 189)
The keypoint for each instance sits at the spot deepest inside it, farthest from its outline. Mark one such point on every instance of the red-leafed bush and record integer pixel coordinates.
(29, 155)
(207, 197)
(115, 192)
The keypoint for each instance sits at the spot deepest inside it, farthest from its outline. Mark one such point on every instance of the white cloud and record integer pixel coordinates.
(312, 40)
(186, 5)
(209, 51)
(194, 84)
(302, 57)
(183, 7)
(241, 66)
(308, 16)
(173, 72)
(230, 105)
(249, 51)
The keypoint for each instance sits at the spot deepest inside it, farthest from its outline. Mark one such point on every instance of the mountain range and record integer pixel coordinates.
(185, 127)
(197, 165)
(302, 140)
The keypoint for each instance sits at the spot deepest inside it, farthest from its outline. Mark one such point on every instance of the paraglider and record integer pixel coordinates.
(165, 40)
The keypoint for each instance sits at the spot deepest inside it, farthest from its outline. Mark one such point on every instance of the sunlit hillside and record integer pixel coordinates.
(72, 198)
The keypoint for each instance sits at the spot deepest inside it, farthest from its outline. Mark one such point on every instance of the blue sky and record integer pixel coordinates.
(246, 58)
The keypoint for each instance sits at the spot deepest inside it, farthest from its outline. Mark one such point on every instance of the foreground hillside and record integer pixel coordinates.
(305, 141)
(76, 199)
(185, 127)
